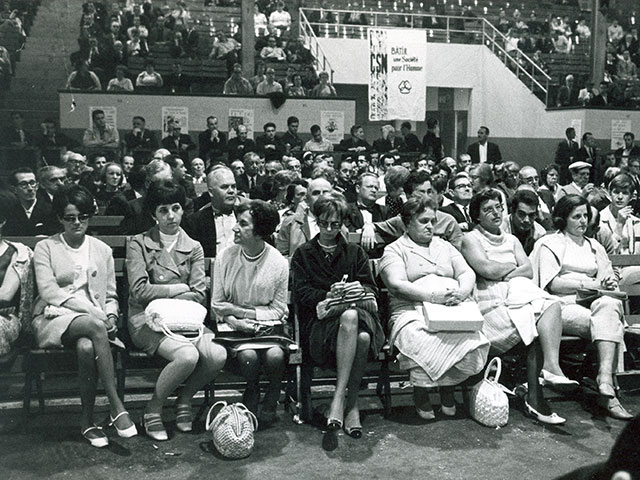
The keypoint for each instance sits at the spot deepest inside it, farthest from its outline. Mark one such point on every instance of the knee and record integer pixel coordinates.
(349, 320)
(364, 339)
(274, 357)
(188, 356)
(214, 355)
(84, 348)
(96, 329)
(609, 304)
(248, 358)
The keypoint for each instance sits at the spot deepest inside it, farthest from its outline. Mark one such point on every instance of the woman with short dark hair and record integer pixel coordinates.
(249, 293)
(165, 262)
(320, 268)
(78, 304)
(568, 261)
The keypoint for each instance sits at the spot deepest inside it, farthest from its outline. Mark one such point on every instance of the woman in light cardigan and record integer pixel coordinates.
(249, 292)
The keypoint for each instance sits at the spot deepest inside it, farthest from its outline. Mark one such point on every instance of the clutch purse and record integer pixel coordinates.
(354, 295)
(586, 296)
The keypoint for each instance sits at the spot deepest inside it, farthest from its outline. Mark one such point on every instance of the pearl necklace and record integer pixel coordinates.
(256, 257)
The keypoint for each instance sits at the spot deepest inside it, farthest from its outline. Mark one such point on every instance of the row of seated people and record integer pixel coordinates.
(77, 304)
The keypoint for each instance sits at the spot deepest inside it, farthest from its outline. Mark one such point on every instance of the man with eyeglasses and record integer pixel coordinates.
(75, 165)
(345, 184)
(461, 192)
(529, 176)
(269, 145)
(29, 217)
(302, 226)
(522, 221)
(509, 180)
(580, 185)
(52, 179)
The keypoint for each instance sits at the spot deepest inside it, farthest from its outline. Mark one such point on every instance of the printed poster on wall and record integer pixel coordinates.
(110, 115)
(397, 77)
(332, 124)
(618, 128)
(240, 116)
(171, 114)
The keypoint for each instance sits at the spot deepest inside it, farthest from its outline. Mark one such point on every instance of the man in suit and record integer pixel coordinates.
(213, 224)
(16, 136)
(344, 183)
(238, 146)
(51, 179)
(212, 143)
(178, 143)
(28, 216)
(602, 97)
(580, 185)
(627, 151)
(365, 210)
(302, 226)
(410, 142)
(139, 139)
(461, 193)
(250, 182)
(484, 151)
(270, 146)
(566, 154)
(568, 93)
(588, 152)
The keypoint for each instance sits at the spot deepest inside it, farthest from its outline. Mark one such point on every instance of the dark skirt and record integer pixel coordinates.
(323, 337)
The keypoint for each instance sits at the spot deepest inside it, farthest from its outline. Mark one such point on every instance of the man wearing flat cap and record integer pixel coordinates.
(580, 185)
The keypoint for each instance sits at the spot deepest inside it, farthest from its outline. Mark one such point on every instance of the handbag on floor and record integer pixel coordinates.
(489, 404)
(175, 317)
(232, 429)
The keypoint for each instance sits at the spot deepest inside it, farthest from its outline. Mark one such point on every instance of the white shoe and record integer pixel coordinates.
(128, 432)
(426, 414)
(557, 381)
(448, 411)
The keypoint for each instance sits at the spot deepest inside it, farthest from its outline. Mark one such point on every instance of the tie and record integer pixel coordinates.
(465, 210)
(252, 183)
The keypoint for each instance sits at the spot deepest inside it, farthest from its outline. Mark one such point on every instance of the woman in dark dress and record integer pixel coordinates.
(346, 341)
(111, 180)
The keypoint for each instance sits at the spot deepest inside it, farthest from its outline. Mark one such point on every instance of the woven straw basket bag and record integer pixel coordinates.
(232, 429)
(489, 403)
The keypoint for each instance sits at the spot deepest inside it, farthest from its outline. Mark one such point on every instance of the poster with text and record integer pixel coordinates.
(618, 128)
(397, 77)
(332, 124)
(240, 116)
(172, 114)
(110, 115)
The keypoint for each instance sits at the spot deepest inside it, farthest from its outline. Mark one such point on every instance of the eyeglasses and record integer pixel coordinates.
(83, 217)
(333, 225)
(462, 185)
(31, 184)
(497, 209)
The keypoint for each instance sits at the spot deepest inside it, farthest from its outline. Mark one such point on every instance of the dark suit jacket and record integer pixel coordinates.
(635, 152)
(205, 145)
(136, 219)
(355, 221)
(456, 212)
(295, 143)
(432, 143)
(146, 141)
(119, 205)
(201, 227)
(350, 144)
(270, 153)
(566, 97)
(382, 145)
(493, 153)
(411, 143)
(242, 184)
(565, 156)
(11, 135)
(42, 221)
(583, 155)
(237, 150)
(170, 144)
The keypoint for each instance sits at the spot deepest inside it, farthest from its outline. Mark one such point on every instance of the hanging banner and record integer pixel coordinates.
(397, 78)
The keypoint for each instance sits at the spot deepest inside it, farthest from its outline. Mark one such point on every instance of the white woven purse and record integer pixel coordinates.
(173, 317)
(489, 403)
(232, 429)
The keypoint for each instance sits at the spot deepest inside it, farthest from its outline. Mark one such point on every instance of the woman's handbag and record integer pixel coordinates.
(489, 403)
(586, 296)
(353, 295)
(232, 429)
(174, 317)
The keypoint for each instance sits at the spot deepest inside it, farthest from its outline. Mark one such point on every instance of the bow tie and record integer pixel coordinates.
(362, 206)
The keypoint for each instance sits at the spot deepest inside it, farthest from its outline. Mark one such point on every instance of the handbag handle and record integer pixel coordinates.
(236, 417)
(495, 361)
(182, 338)
(208, 424)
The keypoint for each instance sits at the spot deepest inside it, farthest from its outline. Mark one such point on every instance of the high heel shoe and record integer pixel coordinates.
(448, 411)
(552, 419)
(128, 432)
(184, 418)
(606, 390)
(426, 414)
(100, 440)
(152, 423)
(559, 382)
(617, 411)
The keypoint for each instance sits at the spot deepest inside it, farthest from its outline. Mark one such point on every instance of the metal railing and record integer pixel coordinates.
(438, 28)
(308, 36)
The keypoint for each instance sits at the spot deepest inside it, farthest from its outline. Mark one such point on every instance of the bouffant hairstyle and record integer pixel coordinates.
(415, 206)
(75, 195)
(264, 215)
(415, 178)
(103, 174)
(479, 198)
(621, 182)
(565, 206)
(332, 203)
(163, 192)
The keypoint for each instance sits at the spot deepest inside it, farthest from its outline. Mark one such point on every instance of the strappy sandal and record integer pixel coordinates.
(128, 432)
(100, 440)
(154, 427)
(184, 418)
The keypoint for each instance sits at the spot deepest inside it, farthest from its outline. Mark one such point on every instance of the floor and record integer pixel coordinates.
(403, 446)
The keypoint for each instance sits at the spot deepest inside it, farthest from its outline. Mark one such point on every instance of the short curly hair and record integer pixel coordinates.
(331, 203)
(481, 197)
(264, 215)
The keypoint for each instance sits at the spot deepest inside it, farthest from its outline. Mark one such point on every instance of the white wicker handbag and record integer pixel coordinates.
(489, 403)
(175, 317)
(232, 429)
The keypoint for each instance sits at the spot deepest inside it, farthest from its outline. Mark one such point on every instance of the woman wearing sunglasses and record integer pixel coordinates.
(77, 307)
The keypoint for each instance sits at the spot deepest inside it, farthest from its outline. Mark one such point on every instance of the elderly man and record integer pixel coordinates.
(28, 216)
(293, 164)
(484, 151)
(75, 164)
(101, 137)
(212, 143)
(580, 185)
(212, 225)
(51, 181)
(140, 139)
(522, 221)
(178, 143)
(240, 145)
(250, 182)
(301, 227)
(568, 93)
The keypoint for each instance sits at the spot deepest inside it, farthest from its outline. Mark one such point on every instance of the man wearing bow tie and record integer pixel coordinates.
(365, 210)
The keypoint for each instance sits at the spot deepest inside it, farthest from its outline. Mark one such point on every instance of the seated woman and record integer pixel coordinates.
(249, 291)
(111, 180)
(568, 261)
(618, 219)
(149, 78)
(165, 263)
(411, 268)
(514, 308)
(16, 285)
(346, 341)
(77, 305)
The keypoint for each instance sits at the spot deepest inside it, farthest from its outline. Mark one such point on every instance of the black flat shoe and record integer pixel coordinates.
(353, 432)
